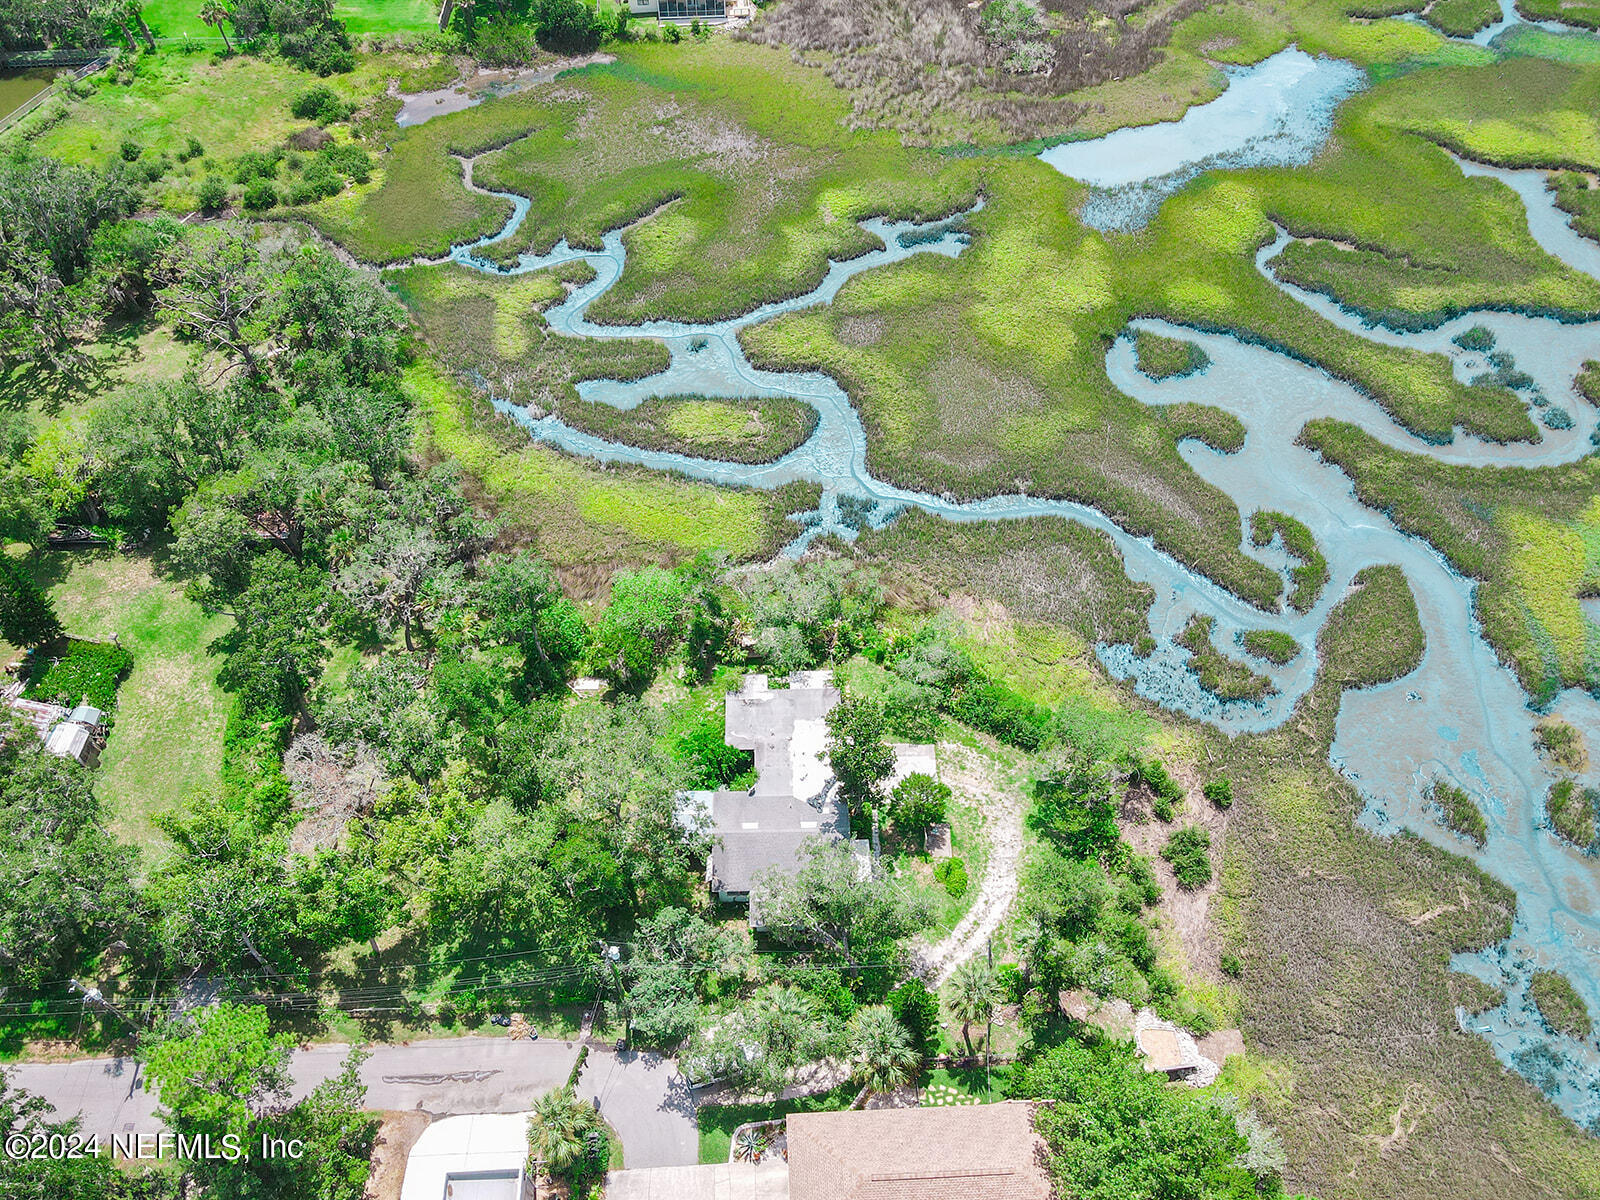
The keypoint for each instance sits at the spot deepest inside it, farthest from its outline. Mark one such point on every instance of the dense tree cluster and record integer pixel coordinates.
(71, 24)
(453, 785)
(1114, 1131)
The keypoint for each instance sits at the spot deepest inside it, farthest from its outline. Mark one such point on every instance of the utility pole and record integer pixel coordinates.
(988, 1032)
(611, 954)
(93, 995)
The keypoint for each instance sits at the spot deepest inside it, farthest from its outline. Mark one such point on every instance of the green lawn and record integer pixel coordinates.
(181, 18)
(718, 1121)
(167, 740)
(228, 104)
(965, 1085)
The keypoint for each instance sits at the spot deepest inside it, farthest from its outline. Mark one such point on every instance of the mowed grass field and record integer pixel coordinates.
(229, 104)
(181, 18)
(166, 743)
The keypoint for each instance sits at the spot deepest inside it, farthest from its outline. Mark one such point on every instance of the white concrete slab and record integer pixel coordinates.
(485, 1142)
(710, 1181)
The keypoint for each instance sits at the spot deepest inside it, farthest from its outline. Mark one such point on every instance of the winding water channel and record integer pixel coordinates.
(1460, 715)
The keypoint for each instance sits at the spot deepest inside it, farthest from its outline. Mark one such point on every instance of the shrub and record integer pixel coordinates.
(213, 194)
(1008, 977)
(1556, 418)
(256, 164)
(92, 669)
(672, 34)
(131, 150)
(505, 43)
(1231, 965)
(566, 26)
(1478, 339)
(191, 150)
(952, 872)
(319, 103)
(260, 195)
(1219, 791)
(916, 1008)
(995, 709)
(1163, 787)
(323, 179)
(1186, 851)
(351, 161)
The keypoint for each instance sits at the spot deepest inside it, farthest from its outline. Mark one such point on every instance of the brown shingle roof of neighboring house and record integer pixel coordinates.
(976, 1152)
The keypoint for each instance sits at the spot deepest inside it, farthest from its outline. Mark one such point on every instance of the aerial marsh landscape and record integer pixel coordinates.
(845, 564)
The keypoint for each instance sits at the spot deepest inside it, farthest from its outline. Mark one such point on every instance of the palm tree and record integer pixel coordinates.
(215, 12)
(881, 1055)
(972, 996)
(558, 1132)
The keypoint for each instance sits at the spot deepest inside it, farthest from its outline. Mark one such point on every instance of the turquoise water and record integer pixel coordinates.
(1277, 113)
(1459, 715)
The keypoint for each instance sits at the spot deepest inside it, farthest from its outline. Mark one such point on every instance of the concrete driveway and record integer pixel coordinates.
(714, 1181)
(642, 1095)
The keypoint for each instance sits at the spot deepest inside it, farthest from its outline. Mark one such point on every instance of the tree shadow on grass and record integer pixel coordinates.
(54, 388)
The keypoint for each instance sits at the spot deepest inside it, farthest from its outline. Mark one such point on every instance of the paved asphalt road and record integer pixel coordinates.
(642, 1095)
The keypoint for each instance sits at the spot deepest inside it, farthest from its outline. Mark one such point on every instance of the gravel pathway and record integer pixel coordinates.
(971, 775)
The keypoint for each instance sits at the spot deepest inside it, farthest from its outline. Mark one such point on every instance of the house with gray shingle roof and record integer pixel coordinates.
(795, 798)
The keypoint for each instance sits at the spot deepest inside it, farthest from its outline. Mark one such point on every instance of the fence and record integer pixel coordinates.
(54, 89)
(21, 60)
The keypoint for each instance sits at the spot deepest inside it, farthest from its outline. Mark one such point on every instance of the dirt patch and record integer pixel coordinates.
(398, 1132)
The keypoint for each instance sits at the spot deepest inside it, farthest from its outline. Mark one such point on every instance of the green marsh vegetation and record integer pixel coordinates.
(492, 329)
(1389, 225)
(1560, 1005)
(1311, 576)
(1531, 535)
(1580, 15)
(712, 128)
(938, 355)
(1461, 813)
(1380, 602)
(1462, 18)
(1577, 195)
(757, 430)
(1168, 358)
(584, 515)
(1337, 944)
(1276, 647)
(1574, 811)
(1220, 675)
(1044, 569)
(1562, 744)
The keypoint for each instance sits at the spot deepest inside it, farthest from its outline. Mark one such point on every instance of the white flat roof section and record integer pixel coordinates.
(478, 1157)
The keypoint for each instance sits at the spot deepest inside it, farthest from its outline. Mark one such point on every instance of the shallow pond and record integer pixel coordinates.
(18, 87)
(1460, 715)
